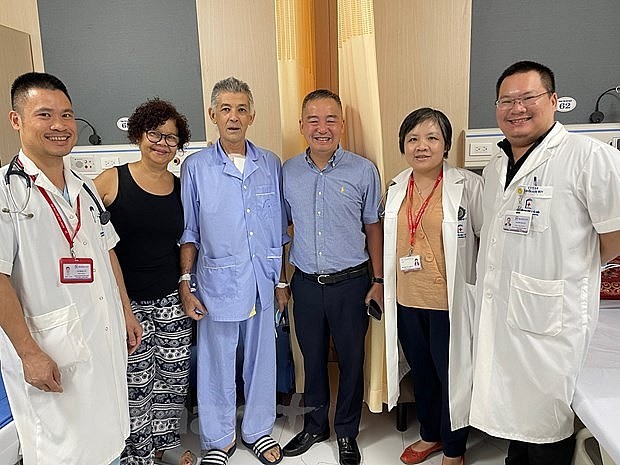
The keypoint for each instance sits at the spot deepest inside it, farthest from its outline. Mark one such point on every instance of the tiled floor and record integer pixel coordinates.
(379, 441)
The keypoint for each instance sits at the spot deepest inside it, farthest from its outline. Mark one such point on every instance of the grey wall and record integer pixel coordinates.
(578, 39)
(114, 54)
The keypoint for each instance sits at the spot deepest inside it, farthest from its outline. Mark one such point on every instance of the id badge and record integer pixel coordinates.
(76, 270)
(410, 263)
(517, 221)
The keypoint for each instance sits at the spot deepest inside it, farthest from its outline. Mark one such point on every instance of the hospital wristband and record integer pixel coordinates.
(185, 277)
(282, 285)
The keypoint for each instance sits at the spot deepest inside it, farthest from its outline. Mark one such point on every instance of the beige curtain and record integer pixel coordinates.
(296, 64)
(359, 91)
(294, 33)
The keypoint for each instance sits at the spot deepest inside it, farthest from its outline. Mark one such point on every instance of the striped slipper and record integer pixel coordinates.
(263, 445)
(217, 456)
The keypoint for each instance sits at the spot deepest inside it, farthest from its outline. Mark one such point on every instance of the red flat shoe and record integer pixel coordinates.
(413, 456)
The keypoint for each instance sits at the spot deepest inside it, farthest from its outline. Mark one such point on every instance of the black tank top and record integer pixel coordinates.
(149, 227)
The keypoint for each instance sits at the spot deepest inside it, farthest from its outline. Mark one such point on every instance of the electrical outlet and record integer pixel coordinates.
(109, 162)
(480, 148)
(83, 163)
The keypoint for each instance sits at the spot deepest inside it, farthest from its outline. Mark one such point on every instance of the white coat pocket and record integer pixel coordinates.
(535, 305)
(59, 334)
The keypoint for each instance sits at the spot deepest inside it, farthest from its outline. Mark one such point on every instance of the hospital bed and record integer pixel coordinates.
(597, 395)
(9, 444)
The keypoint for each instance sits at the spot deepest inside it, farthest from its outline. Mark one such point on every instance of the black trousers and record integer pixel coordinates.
(553, 453)
(336, 309)
(424, 336)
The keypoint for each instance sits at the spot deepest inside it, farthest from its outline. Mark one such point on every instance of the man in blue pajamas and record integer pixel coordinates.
(235, 228)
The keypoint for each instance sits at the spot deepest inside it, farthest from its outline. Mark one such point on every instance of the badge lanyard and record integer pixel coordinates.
(61, 222)
(415, 222)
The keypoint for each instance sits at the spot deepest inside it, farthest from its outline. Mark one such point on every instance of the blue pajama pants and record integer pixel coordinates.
(217, 400)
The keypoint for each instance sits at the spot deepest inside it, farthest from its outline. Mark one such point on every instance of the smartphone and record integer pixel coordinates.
(374, 310)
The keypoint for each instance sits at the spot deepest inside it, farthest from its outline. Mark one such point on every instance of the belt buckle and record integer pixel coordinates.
(318, 279)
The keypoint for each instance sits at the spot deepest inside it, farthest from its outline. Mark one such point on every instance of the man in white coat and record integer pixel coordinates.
(539, 273)
(63, 336)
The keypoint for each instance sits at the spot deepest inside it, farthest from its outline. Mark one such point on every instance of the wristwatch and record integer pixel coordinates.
(282, 285)
(376, 280)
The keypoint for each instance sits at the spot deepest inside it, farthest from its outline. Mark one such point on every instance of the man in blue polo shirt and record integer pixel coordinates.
(332, 197)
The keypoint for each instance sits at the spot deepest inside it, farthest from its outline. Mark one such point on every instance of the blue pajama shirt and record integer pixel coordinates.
(238, 224)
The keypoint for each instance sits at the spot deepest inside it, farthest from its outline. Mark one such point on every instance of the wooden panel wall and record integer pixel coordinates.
(423, 51)
(239, 39)
(16, 59)
(23, 15)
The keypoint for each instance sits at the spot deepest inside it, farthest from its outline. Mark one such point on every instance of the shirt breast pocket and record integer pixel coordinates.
(540, 206)
(59, 334)
(265, 199)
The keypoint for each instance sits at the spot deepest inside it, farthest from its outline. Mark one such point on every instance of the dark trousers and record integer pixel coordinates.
(336, 309)
(424, 336)
(553, 453)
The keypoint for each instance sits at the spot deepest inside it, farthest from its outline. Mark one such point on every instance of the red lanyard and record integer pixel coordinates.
(61, 222)
(414, 223)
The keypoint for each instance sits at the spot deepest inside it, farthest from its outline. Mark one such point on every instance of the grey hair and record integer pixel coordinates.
(231, 85)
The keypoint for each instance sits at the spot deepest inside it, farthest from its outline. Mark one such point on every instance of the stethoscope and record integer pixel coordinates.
(16, 168)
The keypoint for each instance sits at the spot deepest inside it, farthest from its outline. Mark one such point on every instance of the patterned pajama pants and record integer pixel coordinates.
(157, 378)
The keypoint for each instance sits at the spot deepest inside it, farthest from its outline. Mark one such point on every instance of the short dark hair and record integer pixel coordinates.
(33, 80)
(420, 116)
(152, 114)
(319, 94)
(546, 75)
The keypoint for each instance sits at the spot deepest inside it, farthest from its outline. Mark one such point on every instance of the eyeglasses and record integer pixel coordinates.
(172, 140)
(507, 103)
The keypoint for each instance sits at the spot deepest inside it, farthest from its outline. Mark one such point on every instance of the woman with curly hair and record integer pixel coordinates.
(144, 199)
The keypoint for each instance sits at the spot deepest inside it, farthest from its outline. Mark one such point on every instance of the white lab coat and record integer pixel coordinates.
(461, 189)
(538, 293)
(80, 326)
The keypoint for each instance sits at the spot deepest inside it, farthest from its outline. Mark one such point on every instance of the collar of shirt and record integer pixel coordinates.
(332, 162)
(513, 167)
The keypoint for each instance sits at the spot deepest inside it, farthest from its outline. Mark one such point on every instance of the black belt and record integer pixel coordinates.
(333, 278)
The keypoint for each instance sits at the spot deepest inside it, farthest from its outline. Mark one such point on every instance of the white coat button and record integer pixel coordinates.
(85, 243)
(251, 233)
(320, 193)
(493, 241)
(318, 213)
(491, 267)
(247, 210)
(245, 187)
(489, 295)
(101, 298)
(319, 233)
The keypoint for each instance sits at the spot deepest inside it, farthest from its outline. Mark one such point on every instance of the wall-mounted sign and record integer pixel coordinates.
(122, 123)
(566, 104)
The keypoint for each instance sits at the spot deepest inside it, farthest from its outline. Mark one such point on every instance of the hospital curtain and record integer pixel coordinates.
(296, 64)
(359, 91)
(294, 33)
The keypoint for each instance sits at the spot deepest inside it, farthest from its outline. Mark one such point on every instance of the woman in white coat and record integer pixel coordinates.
(432, 219)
